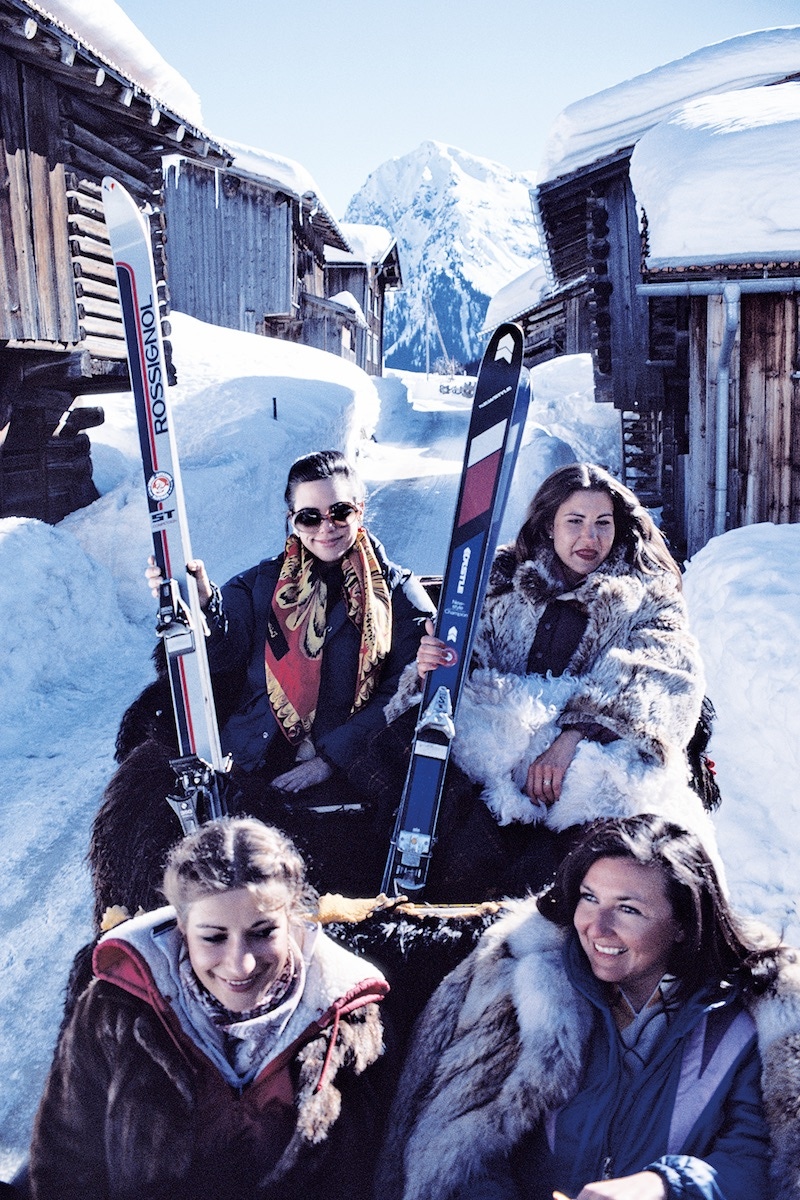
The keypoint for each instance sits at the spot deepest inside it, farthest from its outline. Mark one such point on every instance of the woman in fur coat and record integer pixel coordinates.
(623, 1037)
(585, 685)
(226, 1048)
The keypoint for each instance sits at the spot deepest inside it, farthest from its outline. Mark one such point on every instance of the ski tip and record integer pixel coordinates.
(506, 344)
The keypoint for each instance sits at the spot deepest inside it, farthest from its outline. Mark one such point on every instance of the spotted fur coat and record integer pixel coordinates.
(636, 673)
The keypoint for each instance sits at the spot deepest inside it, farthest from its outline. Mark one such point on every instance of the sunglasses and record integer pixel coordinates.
(311, 518)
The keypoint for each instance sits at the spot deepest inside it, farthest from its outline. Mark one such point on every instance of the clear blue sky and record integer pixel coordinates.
(343, 85)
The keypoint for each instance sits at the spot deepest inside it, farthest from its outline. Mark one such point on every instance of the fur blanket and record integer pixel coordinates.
(505, 721)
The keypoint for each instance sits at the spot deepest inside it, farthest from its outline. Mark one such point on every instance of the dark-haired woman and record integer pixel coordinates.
(322, 631)
(623, 1037)
(585, 686)
(225, 1049)
(307, 648)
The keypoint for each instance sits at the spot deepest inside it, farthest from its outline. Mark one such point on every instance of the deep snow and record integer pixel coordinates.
(78, 624)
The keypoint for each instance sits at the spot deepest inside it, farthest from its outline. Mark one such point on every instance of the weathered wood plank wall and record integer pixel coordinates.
(208, 212)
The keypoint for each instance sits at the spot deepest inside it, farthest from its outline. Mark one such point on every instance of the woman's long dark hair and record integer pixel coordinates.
(716, 946)
(323, 464)
(635, 531)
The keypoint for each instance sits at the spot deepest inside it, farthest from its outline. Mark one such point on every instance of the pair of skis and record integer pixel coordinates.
(498, 416)
(200, 768)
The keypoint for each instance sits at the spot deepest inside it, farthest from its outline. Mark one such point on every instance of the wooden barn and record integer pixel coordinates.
(248, 248)
(68, 116)
(667, 259)
(365, 273)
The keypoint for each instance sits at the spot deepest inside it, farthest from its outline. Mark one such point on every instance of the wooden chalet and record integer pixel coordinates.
(248, 249)
(700, 355)
(365, 273)
(68, 116)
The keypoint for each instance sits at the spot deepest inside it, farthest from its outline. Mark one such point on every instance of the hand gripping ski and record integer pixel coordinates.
(495, 431)
(200, 769)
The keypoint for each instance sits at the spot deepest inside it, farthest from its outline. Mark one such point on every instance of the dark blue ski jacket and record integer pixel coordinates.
(616, 1125)
(238, 628)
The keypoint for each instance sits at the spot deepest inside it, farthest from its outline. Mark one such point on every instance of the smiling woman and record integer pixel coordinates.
(226, 1049)
(305, 648)
(626, 926)
(622, 1037)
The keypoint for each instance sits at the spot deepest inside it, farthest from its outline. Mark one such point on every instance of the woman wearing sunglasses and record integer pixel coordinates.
(320, 635)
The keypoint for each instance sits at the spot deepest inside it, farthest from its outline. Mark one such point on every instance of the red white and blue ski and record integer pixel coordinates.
(200, 767)
(495, 431)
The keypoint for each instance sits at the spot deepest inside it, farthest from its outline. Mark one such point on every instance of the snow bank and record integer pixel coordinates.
(715, 179)
(743, 591)
(235, 454)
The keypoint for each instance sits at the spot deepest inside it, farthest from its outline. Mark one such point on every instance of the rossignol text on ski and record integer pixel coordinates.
(495, 431)
(200, 767)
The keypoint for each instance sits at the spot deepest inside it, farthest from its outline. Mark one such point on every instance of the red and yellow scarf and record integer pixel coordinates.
(298, 622)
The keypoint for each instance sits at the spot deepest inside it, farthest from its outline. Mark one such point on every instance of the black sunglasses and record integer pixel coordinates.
(311, 518)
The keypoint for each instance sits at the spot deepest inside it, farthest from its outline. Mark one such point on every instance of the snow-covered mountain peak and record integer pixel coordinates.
(464, 228)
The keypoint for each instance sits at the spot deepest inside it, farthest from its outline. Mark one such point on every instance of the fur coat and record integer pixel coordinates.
(128, 1106)
(636, 675)
(502, 1042)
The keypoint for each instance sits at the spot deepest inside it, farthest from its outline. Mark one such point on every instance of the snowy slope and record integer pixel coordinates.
(464, 228)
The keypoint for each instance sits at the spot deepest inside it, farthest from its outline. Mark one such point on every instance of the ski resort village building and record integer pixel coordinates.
(82, 98)
(669, 210)
(69, 114)
(255, 248)
(363, 275)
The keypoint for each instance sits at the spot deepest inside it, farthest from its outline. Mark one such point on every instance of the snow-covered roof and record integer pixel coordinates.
(719, 180)
(348, 300)
(517, 297)
(618, 117)
(107, 32)
(291, 178)
(369, 243)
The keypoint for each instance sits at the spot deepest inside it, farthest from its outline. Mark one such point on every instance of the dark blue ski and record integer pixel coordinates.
(495, 431)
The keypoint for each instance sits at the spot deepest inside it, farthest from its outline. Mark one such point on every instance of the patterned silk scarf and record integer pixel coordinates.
(297, 625)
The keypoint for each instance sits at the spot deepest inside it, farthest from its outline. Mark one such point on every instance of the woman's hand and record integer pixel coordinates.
(432, 652)
(195, 566)
(546, 773)
(644, 1185)
(304, 775)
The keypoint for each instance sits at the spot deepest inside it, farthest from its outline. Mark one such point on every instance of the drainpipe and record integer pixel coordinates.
(732, 297)
(732, 293)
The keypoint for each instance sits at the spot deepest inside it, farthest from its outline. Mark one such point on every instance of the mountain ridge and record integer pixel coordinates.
(464, 228)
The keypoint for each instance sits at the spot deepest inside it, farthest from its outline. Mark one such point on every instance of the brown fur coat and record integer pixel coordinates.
(122, 1115)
